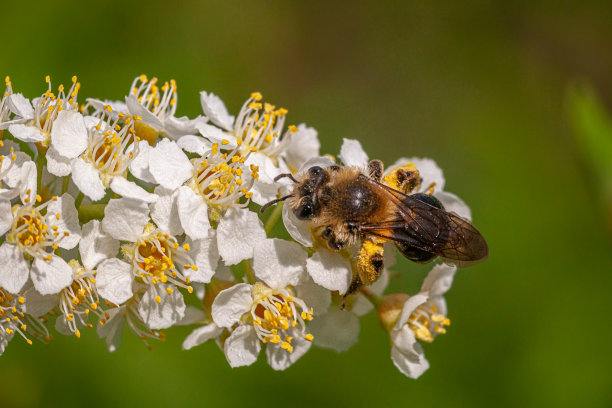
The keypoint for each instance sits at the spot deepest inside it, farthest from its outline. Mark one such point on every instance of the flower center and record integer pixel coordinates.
(156, 257)
(259, 127)
(79, 299)
(12, 319)
(218, 178)
(31, 230)
(425, 321)
(161, 103)
(112, 147)
(48, 106)
(275, 313)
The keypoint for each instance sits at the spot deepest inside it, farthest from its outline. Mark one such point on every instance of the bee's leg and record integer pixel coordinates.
(405, 179)
(375, 169)
(370, 261)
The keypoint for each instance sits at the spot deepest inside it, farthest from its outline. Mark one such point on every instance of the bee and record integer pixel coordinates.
(346, 205)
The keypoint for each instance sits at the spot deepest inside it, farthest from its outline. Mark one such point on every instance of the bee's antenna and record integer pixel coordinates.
(288, 175)
(265, 206)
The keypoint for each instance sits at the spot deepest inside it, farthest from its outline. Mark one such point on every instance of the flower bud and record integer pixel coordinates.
(390, 309)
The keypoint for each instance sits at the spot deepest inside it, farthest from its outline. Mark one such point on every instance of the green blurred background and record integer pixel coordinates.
(481, 87)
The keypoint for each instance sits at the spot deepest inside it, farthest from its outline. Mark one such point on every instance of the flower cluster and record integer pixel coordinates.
(119, 214)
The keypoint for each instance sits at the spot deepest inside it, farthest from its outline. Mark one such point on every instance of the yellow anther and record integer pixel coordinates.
(293, 128)
(169, 291)
(186, 247)
(256, 96)
(47, 79)
(38, 198)
(21, 300)
(77, 333)
(189, 289)
(309, 337)
(158, 299)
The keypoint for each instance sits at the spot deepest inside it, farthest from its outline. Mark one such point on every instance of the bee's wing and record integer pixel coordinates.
(428, 228)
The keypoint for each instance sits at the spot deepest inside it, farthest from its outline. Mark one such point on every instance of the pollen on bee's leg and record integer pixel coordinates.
(370, 261)
(405, 178)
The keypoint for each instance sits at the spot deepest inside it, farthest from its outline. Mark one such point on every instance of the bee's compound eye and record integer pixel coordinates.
(315, 171)
(304, 212)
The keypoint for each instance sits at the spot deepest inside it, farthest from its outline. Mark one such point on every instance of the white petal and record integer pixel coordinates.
(50, 277)
(6, 217)
(352, 154)
(439, 280)
(193, 213)
(206, 257)
(216, 135)
(165, 314)
(193, 315)
(303, 146)
(230, 304)
(96, 245)
(112, 329)
(242, 347)
(139, 166)
(125, 219)
(87, 179)
(68, 220)
(453, 203)
(237, 234)
(298, 229)
(69, 134)
(169, 165)
(114, 280)
(164, 211)
(330, 270)
(20, 106)
(177, 127)
(224, 272)
(202, 335)
(194, 144)
(264, 192)
(14, 270)
(57, 164)
(27, 186)
(216, 111)
(411, 365)
(279, 263)
(337, 329)
(412, 303)
(129, 189)
(279, 359)
(136, 108)
(314, 296)
(26, 133)
(322, 162)
(37, 304)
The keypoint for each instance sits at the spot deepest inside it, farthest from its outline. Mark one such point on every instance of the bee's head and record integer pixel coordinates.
(303, 200)
(307, 192)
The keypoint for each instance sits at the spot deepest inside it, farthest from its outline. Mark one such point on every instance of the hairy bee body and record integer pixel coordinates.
(347, 205)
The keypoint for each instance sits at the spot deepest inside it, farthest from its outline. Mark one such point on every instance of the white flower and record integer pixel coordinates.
(39, 125)
(258, 134)
(29, 235)
(267, 312)
(12, 318)
(17, 173)
(157, 110)
(14, 108)
(154, 258)
(423, 316)
(111, 327)
(100, 157)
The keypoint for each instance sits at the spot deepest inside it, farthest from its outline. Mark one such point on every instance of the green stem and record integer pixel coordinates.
(374, 299)
(250, 274)
(79, 199)
(273, 218)
(90, 212)
(65, 183)
(40, 163)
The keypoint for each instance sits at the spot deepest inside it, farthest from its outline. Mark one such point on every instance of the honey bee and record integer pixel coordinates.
(346, 205)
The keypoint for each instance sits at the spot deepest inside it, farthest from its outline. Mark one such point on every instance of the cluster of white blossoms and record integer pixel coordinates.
(119, 214)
